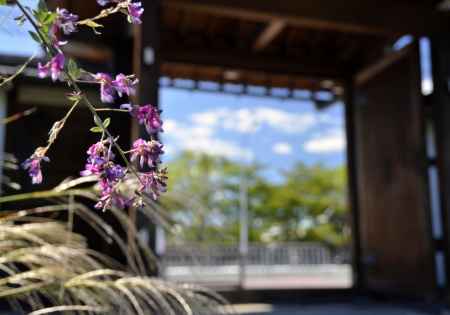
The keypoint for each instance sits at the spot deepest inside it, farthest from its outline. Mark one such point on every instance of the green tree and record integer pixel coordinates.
(309, 204)
(203, 195)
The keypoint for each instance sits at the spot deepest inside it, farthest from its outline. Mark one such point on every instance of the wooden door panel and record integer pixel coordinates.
(395, 236)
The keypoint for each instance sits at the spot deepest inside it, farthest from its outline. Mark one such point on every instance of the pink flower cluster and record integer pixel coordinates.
(149, 154)
(121, 85)
(100, 162)
(65, 22)
(54, 67)
(33, 165)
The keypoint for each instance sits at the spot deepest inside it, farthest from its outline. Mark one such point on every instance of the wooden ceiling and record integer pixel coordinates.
(299, 44)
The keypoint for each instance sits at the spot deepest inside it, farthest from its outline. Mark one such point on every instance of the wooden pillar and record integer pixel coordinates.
(147, 54)
(146, 65)
(440, 47)
(358, 275)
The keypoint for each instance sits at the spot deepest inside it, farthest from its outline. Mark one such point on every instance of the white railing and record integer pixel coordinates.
(258, 254)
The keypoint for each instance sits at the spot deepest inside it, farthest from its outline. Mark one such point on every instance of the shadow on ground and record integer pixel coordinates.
(340, 309)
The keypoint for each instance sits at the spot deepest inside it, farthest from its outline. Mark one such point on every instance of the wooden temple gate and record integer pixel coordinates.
(344, 48)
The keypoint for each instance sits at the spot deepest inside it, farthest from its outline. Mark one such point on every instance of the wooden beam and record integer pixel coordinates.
(89, 52)
(268, 35)
(369, 16)
(309, 68)
(372, 70)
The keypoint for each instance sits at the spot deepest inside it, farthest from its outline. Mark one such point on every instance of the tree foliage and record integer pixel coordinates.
(308, 203)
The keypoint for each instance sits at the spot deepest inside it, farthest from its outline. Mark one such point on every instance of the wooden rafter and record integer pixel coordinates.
(269, 33)
(360, 16)
(309, 67)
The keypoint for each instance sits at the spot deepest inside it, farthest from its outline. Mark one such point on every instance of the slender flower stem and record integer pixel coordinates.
(18, 72)
(35, 26)
(111, 110)
(17, 116)
(103, 14)
(58, 126)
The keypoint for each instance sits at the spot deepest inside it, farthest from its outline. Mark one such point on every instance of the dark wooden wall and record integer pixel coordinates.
(395, 234)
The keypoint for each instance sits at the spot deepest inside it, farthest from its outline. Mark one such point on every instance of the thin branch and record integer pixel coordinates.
(58, 126)
(103, 14)
(111, 110)
(17, 116)
(18, 72)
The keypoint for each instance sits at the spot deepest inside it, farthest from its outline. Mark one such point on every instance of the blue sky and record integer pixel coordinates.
(272, 131)
(15, 40)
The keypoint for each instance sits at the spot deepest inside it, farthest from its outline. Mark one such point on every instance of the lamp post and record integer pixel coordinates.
(243, 235)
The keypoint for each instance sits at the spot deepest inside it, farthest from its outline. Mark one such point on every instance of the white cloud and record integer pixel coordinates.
(210, 118)
(248, 120)
(282, 148)
(201, 139)
(285, 121)
(332, 141)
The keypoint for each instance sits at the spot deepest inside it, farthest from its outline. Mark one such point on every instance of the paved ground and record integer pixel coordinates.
(331, 309)
(336, 309)
(265, 277)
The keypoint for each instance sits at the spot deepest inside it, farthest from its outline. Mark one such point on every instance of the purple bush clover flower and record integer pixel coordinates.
(135, 11)
(121, 85)
(66, 21)
(148, 152)
(147, 115)
(153, 183)
(100, 163)
(113, 173)
(99, 154)
(33, 165)
(111, 197)
(125, 84)
(110, 178)
(107, 90)
(54, 67)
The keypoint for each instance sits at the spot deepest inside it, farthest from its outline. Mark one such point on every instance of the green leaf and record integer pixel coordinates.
(2, 2)
(97, 121)
(107, 122)
(96, 130)
(73, 69)
(35, 36)
(105, 125)
(42, 5)
(49, 18)
(20, 19)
